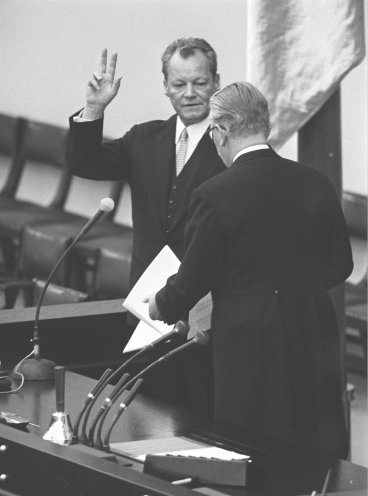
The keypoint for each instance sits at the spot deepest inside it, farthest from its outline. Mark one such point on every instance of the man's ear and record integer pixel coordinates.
(166, 89)
(223, 137)
(217, 82)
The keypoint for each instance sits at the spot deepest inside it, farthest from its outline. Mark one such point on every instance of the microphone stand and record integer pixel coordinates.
(42, 369)
(105, 407)
(201, 338)
(90, 397)
(181, 328)
(122, 407)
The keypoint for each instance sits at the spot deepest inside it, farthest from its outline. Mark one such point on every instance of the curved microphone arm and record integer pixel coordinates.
(122, 407)
(106, 405)
(91, 397)
(181, 328)
(86, 228)
(201, 338)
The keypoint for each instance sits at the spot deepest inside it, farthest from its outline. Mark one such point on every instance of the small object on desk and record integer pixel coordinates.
(60, 430)
(182, 482)
(13, 419)
(204, 470)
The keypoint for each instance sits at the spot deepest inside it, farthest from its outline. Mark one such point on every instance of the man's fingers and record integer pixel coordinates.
(112, 66)
(103, 61)
(94, 84)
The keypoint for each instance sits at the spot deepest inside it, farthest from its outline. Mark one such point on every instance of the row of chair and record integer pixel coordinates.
(43, 207)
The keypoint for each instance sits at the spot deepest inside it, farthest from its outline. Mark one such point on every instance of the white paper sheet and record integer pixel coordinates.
(143, 334)
(177, 445)
(153, 279)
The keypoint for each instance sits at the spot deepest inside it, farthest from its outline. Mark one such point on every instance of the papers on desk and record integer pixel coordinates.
(153, 279)
(177, 445)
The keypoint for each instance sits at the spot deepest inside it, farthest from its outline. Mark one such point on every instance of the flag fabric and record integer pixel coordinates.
(298, 51)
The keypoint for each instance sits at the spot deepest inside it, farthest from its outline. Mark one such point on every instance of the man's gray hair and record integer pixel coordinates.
(186, 48)
(242, 109)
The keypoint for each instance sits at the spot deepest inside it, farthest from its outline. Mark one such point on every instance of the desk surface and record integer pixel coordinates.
(285, 473)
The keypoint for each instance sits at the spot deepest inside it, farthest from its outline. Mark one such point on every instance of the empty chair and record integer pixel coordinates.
(37, 257)
(11, 134)
(55, 294)
(84, 196)
(40, 187)
(355, 210)
(112, 272)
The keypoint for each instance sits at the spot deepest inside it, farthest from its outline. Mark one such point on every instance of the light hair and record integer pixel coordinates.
(241, 109)
(186, 47)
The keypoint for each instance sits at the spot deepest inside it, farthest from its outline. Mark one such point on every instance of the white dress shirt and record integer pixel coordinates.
(252, 148)
(195, 133)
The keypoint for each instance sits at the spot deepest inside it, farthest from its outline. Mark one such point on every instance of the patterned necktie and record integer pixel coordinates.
(182, 151)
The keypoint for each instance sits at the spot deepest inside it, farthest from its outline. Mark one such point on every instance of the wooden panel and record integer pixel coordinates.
(78, 335)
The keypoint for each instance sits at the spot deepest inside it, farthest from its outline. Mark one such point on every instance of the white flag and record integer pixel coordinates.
(298, 51)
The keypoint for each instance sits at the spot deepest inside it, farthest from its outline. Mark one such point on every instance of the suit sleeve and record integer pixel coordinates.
(201, 265)
(338, 263)
(91, 158)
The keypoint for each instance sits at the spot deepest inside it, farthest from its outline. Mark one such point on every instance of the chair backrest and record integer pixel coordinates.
(44, 175)
(355, 211)
(56, 294)
(123, 207)
(84, 196)
(112, 272)
(11, 137)
(38, 254)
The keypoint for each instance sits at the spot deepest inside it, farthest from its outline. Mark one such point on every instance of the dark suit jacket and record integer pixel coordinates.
(268, 237)
(145, 157)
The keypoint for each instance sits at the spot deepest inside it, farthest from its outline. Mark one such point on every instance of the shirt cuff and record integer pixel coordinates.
(80, 118)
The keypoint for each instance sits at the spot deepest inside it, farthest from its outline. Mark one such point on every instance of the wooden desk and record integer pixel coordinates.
(38, 467)
(81, 336)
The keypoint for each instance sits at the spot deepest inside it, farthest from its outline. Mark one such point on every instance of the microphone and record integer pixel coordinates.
(181, 328)
(106, 405)
(122, 407)
(90, 398)
(37, 368)
(200, 338)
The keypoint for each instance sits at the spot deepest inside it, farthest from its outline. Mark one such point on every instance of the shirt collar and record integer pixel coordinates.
(195, 131)
(252, 148)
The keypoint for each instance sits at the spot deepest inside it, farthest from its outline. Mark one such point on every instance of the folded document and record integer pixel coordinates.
(152, 280)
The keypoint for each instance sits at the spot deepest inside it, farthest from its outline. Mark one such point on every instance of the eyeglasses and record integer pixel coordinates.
(211, 128)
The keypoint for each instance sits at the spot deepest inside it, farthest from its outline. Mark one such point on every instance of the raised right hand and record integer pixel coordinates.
(102, 88)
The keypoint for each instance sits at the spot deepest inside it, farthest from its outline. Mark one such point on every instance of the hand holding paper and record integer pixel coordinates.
(141, 298)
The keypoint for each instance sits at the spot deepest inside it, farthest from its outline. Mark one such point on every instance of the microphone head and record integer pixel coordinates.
(202, 337)
(182, 328)
(107, 204)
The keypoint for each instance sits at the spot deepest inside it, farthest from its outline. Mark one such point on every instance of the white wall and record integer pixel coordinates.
(49, 48)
